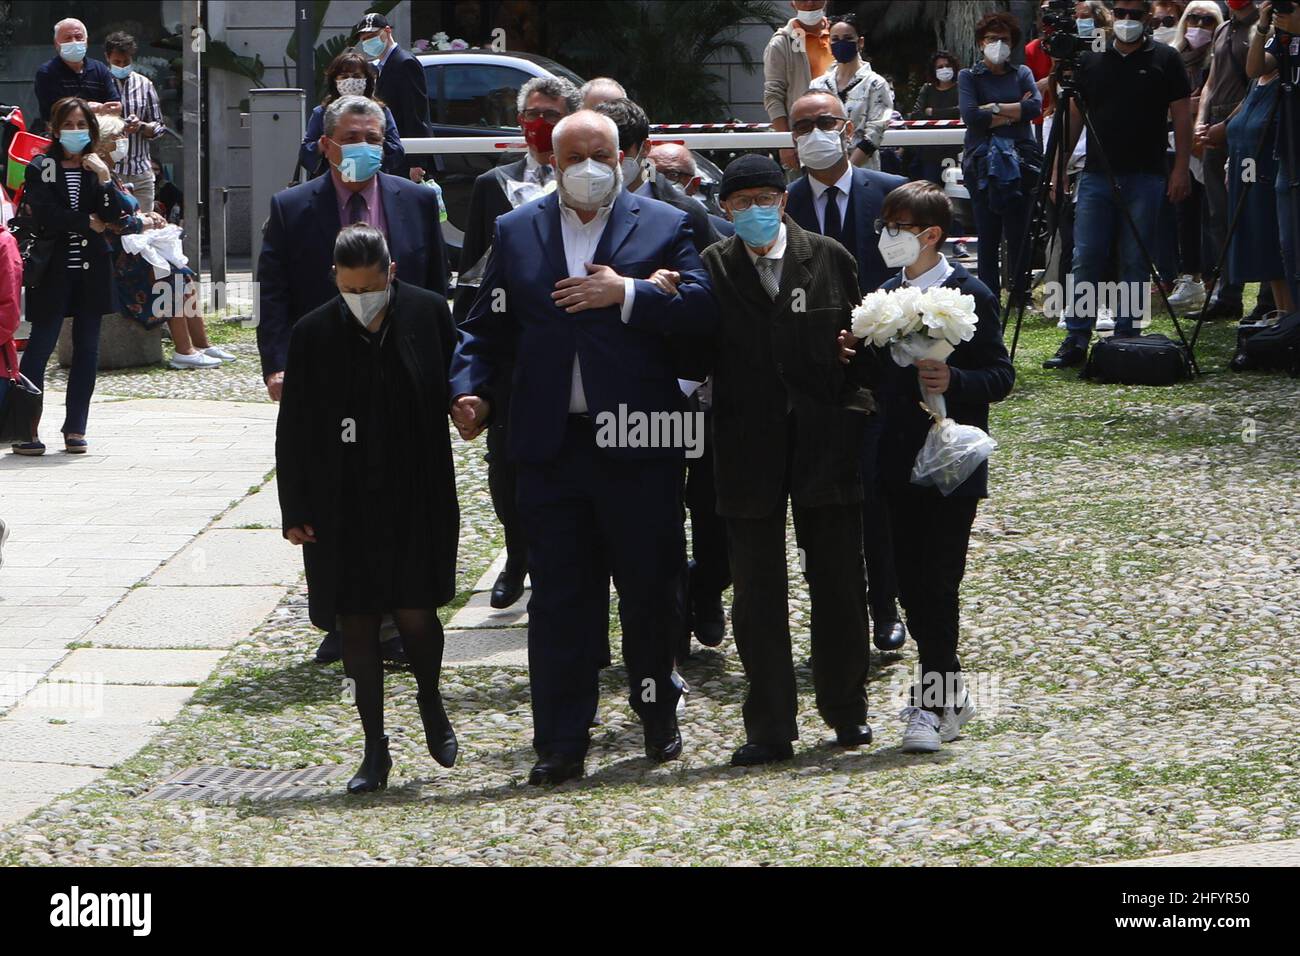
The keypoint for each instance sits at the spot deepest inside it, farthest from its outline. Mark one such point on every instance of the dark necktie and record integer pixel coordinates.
(357, 209)
(832, 227)
(543, 174)
(767, 276)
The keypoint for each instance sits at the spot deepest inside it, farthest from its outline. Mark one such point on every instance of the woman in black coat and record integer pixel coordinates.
(68, 192)
(367, 485)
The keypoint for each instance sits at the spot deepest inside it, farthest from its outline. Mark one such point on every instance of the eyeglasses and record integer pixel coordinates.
(551, 116)
(1201, 20)
(679, 176)
(894, 228)
(1120, 13)
(826, 123)
(763, 201)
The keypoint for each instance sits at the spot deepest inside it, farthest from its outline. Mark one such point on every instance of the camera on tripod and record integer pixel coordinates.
(1061, 40)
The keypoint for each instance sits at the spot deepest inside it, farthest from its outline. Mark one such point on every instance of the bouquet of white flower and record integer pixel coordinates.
(928, 325)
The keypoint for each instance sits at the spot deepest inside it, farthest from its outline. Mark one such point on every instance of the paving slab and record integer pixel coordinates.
(26, 787)
(1272, 853)
(185, 617)
(86, 698)
(133, 666)
(233, 557)
(477, 612)
(84, 742)
(262, 509)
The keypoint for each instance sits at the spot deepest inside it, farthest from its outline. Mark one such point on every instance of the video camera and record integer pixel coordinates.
(1061, 40)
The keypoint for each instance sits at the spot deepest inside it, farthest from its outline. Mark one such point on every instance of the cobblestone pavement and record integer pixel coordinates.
(1129, 623)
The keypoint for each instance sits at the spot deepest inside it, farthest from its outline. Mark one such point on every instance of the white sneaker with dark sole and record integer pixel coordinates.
(193, 360)
(220, 354)
(922, 733)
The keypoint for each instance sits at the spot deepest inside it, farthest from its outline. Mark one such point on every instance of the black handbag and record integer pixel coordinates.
(1138, 360)
(1274, 346)
(37, 250)
(20, 409)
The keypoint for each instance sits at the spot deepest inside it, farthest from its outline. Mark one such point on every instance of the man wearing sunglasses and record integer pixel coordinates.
(1129, 91)
(841, 201)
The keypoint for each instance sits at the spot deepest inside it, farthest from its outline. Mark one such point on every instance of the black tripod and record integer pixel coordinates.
(1044, 203)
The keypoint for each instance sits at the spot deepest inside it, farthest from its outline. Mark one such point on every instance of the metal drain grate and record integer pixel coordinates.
(229, 784)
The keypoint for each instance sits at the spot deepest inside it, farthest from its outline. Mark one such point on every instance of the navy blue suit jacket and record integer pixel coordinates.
(866, 198)
(514, 319)
(293, 269)
(981, 373)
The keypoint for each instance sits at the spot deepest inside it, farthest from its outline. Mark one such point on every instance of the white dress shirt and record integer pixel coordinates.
(844, 184)
(776, 253)
(937, 275)
(580, 242)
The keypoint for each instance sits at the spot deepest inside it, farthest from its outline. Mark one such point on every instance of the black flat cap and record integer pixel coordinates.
(748, 171)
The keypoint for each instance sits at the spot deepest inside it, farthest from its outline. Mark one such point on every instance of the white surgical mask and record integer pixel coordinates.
(1128, 31)
(943, 74)
(900, 250)
(821, 149)
(589, 183)
(1197, 37)
(120, 147)
(364, 306)
(351, 85)
(1165, 35)
(810, 18)
(997, 52)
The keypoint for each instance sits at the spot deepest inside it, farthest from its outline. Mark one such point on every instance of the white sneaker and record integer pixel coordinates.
(1105, 320)
(1188, 295)
(954, 718)
(922, 734)
(219, 353)
(196, 360)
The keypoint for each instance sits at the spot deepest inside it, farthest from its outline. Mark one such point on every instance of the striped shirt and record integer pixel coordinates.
(140, 99)
(72, 177)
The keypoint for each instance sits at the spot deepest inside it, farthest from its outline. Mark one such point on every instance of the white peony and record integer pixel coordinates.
(870, 317)
(948, 314)
(885, 317)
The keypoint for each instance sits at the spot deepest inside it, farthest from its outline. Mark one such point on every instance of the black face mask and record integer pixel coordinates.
(844, 51)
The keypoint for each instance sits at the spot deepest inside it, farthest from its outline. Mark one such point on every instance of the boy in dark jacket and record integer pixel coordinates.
(932, 532)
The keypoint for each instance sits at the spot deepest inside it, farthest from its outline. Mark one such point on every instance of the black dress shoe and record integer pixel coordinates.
(752, 755)
(393, 651)
(438, 733)
(331, 648)
(556, 768)
(1072, 352)
(509, 587)
(663, 739)
(853, 735)
(889, 635)
(373, 772)
(708, 621)
(1218, 309)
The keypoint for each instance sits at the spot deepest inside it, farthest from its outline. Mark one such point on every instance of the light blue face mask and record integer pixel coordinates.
(359, 161)
(374, 47)
(74, 51)
(758, 226)
(1085, 27)
(121, 72)
(74, 141)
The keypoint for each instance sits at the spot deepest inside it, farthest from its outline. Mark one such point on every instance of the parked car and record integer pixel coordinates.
(475, 93)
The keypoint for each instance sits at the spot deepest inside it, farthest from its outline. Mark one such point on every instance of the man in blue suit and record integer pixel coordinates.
(401, 86)
(841, 201)
(584, 292)
(294, 267)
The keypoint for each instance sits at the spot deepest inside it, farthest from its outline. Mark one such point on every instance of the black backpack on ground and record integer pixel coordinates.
(1138, 360)
(1272, 346)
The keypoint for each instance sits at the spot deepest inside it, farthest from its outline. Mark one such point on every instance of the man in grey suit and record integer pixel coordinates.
(543, 102)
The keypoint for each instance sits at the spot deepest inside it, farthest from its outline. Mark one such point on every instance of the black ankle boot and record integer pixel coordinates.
(373, 772)
(437, 729)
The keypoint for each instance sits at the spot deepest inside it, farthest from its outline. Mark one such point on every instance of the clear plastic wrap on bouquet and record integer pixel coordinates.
(951, 451)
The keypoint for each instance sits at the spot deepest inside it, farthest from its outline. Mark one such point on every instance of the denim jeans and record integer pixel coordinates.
(992, 228)
(1101, 231)
(1288, 212)
(85, 353)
